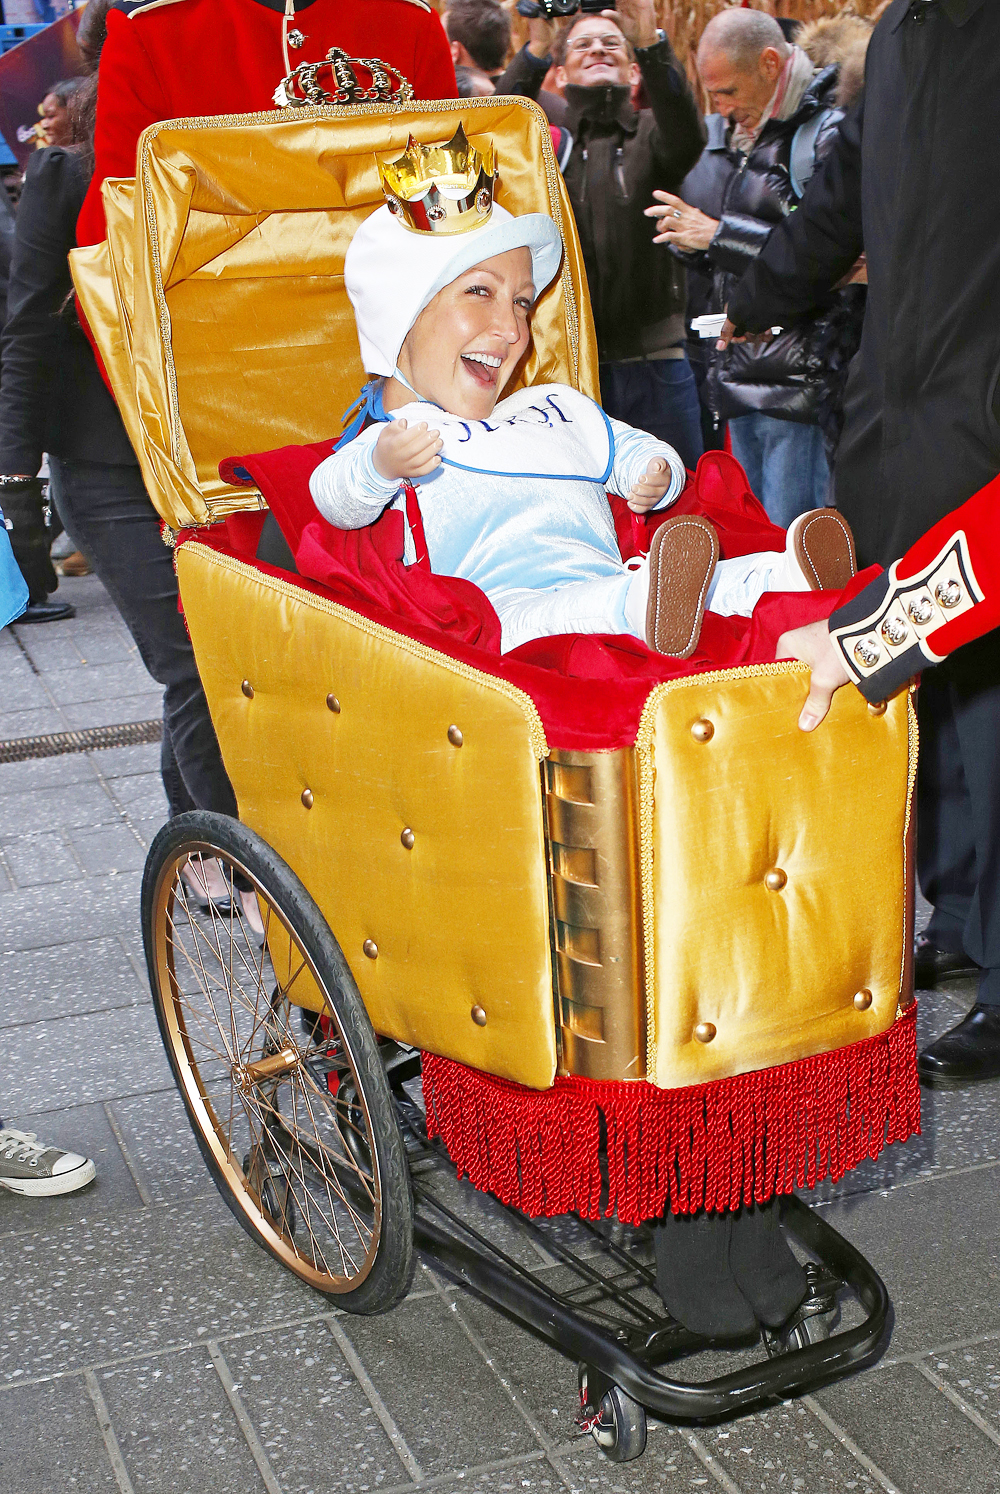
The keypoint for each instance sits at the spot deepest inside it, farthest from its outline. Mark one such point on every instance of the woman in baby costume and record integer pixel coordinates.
(513, 495)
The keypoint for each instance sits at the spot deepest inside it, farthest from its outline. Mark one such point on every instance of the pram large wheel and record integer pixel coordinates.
(323, 1185)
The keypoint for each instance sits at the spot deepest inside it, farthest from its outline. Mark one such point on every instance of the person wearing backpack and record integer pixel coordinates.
(775, 117)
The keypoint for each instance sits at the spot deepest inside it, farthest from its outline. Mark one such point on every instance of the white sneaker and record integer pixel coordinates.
(29, 1167)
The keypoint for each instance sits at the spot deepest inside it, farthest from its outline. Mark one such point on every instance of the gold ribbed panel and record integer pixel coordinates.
(593, 856)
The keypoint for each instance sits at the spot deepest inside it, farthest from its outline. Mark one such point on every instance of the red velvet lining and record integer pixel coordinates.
(589, 690)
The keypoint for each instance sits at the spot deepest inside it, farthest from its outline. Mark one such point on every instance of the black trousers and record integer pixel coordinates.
(958, 806)
(107, 514)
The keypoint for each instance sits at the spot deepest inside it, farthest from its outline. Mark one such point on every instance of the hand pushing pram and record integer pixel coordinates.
(646, 940)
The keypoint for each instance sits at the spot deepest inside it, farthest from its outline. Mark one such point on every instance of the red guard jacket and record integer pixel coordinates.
(945, 591)
(174, 59)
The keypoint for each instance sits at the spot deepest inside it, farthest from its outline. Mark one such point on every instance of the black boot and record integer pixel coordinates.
(694, 1279)
(969, 1051)
(765, 1269)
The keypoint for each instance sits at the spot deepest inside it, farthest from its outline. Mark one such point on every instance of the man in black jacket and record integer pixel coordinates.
(618, 157)
(911, 181)
(775, 118)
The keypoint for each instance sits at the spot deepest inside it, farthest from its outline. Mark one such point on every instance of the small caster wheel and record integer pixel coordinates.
(618, 1425)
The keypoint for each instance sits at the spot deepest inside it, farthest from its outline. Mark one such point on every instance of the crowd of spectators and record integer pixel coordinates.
(738, 190)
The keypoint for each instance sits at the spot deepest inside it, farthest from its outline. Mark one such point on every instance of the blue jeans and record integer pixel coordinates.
(785, 464)
(660, 397)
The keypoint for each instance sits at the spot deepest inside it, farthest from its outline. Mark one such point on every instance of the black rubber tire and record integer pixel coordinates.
(621, 1431)
(391, 1272)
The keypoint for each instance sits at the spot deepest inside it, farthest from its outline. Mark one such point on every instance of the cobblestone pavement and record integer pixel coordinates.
(146, 1344)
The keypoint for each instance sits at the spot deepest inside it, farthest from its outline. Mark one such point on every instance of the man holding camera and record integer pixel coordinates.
(618, 156)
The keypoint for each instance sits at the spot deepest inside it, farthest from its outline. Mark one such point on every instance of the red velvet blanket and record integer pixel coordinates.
(589, 690)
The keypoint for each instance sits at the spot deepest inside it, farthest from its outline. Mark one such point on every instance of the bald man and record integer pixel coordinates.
(775, 117)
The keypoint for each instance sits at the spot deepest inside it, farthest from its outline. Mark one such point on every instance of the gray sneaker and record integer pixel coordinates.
(38, 1171)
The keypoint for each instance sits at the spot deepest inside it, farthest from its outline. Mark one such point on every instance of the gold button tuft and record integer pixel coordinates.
(247, 689)
(704, 1032)
(877, 707)
(863, 1000)
(479, 1016)
(407, 838)
(455, 736)
(333, 704)
(307, 798)
(370, 948)
(775, 879)
(703, 731)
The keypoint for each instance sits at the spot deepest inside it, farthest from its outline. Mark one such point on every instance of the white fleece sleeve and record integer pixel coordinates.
(634, 449)
(346, 488)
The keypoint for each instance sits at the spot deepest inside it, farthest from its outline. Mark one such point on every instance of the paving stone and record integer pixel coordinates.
(17, 724)
(45, 772)
(46, 916)
(444, 1399)
(90, 975)
(121, 762)
(933, 1244)
(96, 1056)
(974, 1374)
(914, 1434)
(39, 809)
(24, 690)
(95, 1292)
(147, 706)
(51, 1441)
(543, 1379)
(315, 1422)
(176, 1429)
(108, 848)
(162, 1146)
(141, 795)
(83, 1129)
(41, 859)
(668, 1464)
(785, 1450)
(89, 682)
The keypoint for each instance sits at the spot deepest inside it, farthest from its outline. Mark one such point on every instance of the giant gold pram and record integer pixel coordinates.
(660, 966)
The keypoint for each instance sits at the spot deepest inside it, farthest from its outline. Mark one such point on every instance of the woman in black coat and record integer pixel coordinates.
(53, 399)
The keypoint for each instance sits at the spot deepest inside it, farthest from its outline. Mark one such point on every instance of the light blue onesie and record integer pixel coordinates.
(519, 506)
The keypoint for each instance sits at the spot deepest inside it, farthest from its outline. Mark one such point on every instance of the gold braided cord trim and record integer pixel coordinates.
(348, 111)
(536, 731)
(913, 753)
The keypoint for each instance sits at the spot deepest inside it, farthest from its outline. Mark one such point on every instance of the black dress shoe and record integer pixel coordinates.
(969, 1051)
(46, 612)
(932, 965)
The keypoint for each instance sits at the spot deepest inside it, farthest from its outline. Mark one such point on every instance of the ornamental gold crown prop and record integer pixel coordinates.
(340, 79)
(440, 188)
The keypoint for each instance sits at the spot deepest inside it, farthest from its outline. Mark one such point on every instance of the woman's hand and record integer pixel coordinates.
(406, 451)
(679, 223)
(813, 645)
(650, 488)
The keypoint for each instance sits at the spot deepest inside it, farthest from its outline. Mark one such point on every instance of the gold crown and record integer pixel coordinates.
(440, 188)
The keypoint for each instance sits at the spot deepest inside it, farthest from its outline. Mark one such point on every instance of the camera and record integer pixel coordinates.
(555, 10)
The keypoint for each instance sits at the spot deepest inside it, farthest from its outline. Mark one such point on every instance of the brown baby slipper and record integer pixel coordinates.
(823, 546)
(682, 557)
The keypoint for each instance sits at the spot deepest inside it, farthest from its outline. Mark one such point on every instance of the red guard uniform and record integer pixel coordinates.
(173, 59)
(945, 591)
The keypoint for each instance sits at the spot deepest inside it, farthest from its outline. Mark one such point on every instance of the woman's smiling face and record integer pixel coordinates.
(465, 344)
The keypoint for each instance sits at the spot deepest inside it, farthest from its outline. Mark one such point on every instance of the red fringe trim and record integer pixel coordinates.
(713, 1146)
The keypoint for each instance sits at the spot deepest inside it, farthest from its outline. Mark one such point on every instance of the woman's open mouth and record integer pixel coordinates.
(484, 368)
